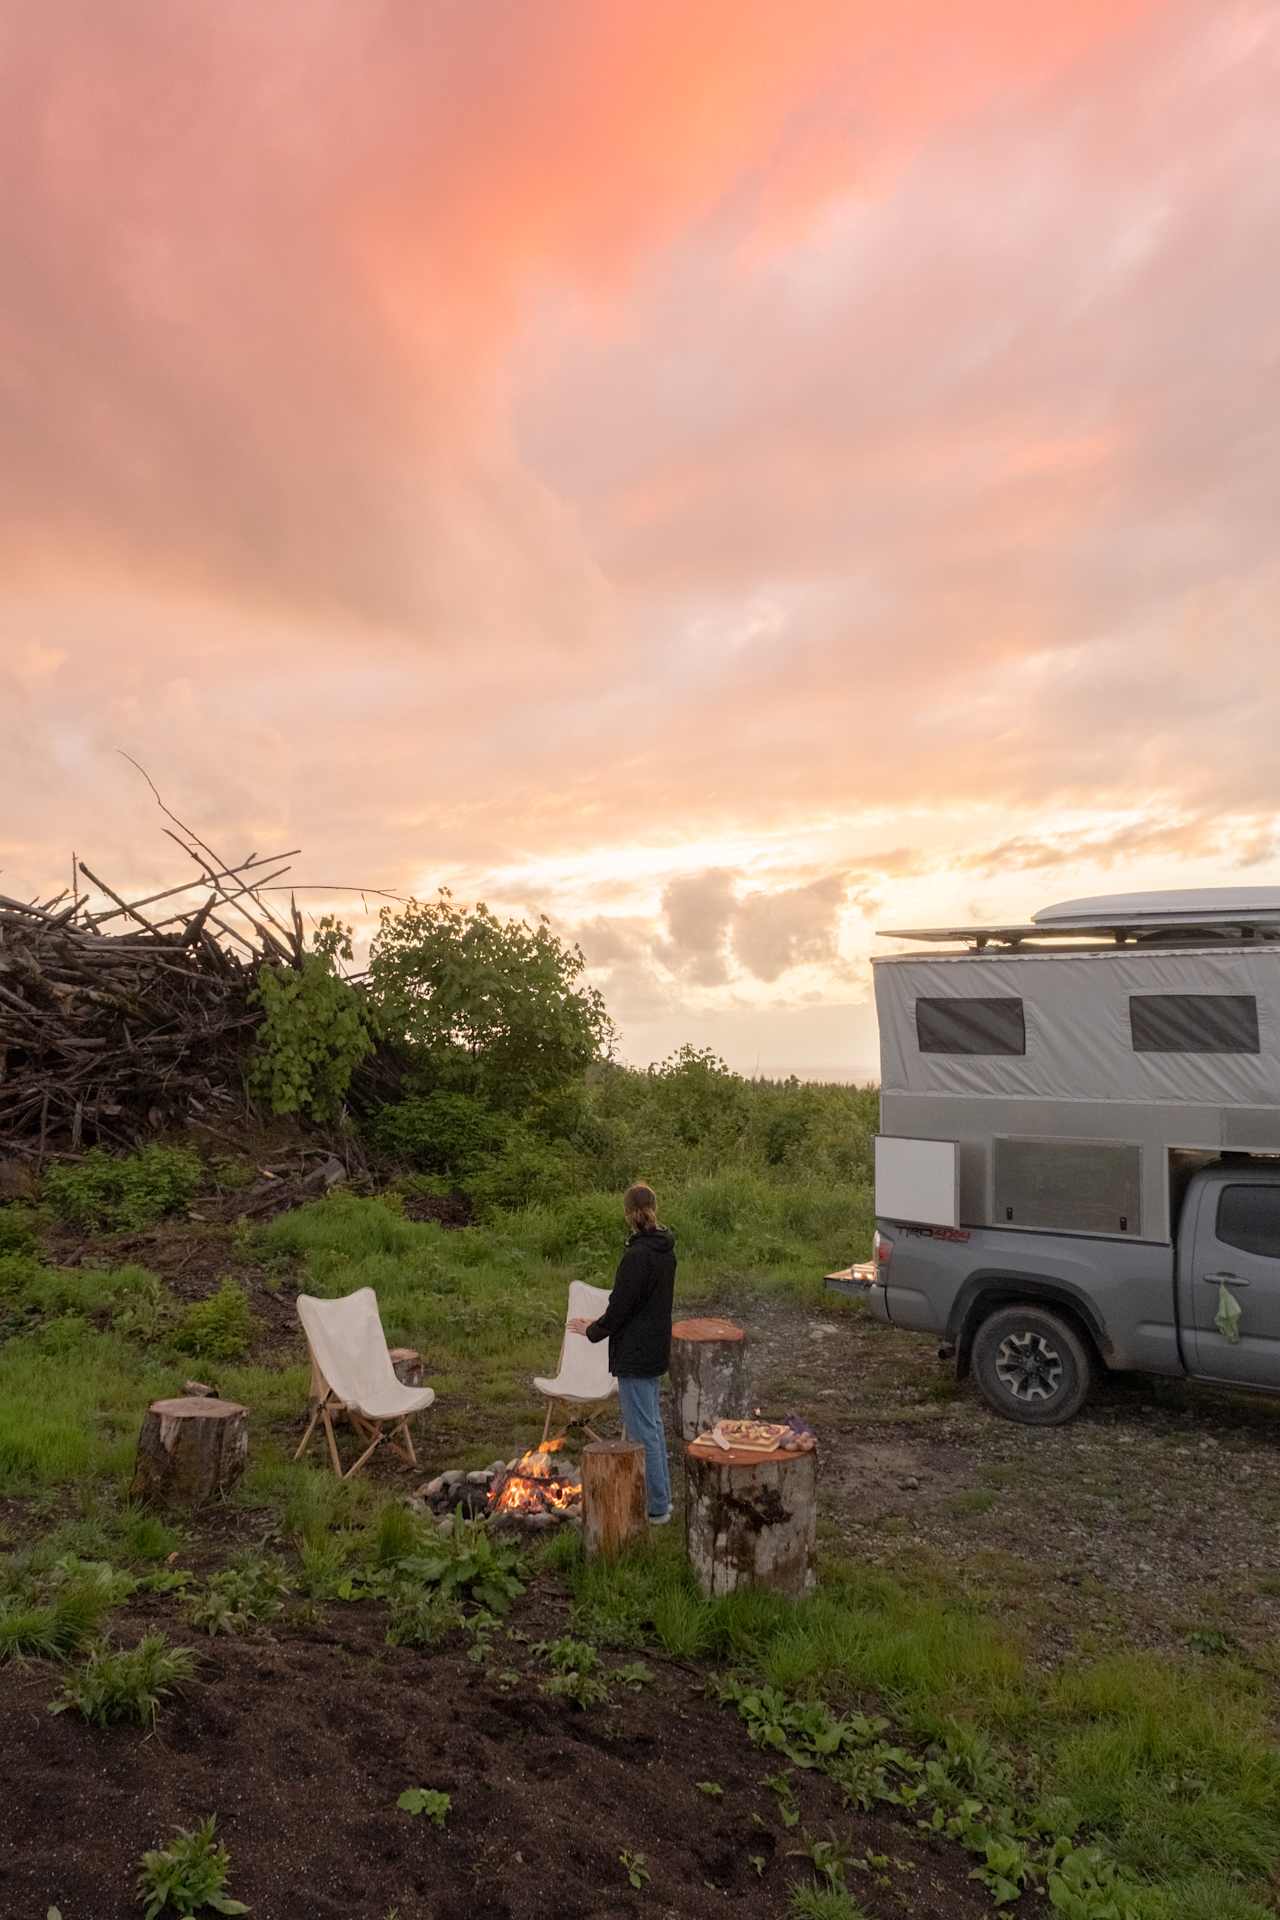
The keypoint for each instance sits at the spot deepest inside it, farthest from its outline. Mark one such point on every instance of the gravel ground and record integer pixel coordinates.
(1151, 1520)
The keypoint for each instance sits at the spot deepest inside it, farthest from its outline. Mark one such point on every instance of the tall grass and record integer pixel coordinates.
(71, 1401)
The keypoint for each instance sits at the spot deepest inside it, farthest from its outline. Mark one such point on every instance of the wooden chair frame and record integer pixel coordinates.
(593, 1409)
(326, 1406)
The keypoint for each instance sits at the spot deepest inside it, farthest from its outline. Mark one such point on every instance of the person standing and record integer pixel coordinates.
(637, 1325)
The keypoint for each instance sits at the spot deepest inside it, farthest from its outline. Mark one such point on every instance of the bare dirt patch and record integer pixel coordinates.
(303, 1742)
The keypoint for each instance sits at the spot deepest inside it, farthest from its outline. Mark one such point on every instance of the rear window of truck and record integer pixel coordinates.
(1194, 1023)
(971, 1026)
(1249, 1218)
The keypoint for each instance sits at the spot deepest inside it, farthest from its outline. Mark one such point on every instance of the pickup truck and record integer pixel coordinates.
(1035, 1316)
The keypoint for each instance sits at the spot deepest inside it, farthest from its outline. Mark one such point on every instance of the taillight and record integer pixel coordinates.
(882, 1254)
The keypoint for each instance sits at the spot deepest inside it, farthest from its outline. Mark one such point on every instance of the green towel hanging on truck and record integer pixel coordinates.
(1227, 1318)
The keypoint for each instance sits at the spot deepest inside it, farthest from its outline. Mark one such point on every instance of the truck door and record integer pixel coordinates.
(1232, 1238)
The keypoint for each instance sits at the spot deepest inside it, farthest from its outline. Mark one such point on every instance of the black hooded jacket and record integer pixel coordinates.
(637, 1320)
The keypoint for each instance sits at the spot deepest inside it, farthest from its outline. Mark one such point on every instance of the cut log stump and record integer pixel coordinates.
(751, 1519)
(708, 1374)
(613, 1500)
(190, 1451)
(406, 1364)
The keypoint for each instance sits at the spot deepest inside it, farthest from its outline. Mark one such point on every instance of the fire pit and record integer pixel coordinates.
(535, 1490)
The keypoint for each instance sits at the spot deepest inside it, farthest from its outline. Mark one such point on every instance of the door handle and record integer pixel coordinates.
(1223, 1280)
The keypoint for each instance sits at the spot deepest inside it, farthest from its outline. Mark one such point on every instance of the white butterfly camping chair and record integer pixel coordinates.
(582, 1379)
(351, 1373)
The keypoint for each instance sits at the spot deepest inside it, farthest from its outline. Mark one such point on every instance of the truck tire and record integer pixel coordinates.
(1031, 1365)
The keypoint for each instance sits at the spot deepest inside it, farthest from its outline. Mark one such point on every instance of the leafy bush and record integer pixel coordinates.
(526, 1170)
(465, 1562)
(441, 1132)
(238, 1597)
(493, 1008)
(147, 1308)
(700, 1098)
(219, 1328)
(17, 1230)
(580, 1689)
(189, 1875)
(418, 1619)
(316, 1029)
(107, 1193)
(127, 1684)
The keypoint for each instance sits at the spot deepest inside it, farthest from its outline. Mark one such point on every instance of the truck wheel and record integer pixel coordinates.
(1032, 1366)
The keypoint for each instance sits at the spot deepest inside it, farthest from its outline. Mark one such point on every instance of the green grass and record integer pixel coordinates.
(1176, 1766)
(809, 1901)
(56, 1628)
(71, 1402)
(1168, 1764)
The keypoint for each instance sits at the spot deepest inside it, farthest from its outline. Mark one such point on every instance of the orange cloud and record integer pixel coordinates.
(578, 449)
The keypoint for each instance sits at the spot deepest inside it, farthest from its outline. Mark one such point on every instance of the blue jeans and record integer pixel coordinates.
(638, 1397)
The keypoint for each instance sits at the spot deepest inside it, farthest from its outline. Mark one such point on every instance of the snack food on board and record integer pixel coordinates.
(755, 1436)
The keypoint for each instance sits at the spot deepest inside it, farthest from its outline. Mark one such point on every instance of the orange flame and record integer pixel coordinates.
(533, 1488)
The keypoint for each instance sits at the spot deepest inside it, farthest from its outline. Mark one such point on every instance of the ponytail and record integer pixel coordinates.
(640, 1204)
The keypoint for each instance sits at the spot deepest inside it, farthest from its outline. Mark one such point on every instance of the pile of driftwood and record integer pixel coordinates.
(135, 1016)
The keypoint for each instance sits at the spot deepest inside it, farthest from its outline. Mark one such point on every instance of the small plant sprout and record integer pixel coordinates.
(711, 1788)
(580, 1689)
(428, 1800)
(788, 1811)
(189, 1876)
(633, 1865)
(830, 1858)
(634, 1675)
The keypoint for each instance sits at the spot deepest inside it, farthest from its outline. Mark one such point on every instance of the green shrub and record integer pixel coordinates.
(219, 1328)
(127, 1685)
(316, 1029)
(124, 1292)
(465, 1563)
(490, 1007)
(524, 1172)
(109, 1194)
(700, 1100)
(17, 1229)
(419, 1619)
(441, 1132)
(239, 1597)
(188, 1876)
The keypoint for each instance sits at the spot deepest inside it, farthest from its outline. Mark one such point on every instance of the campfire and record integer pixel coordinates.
(538, 1483)
(537, 1489)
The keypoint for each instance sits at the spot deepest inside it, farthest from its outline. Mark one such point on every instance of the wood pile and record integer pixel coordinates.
(136, 1016)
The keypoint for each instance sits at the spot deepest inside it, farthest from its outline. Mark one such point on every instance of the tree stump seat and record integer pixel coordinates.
(751, 1519)
(708, 1374)
(190, 1451)
(613, 1497)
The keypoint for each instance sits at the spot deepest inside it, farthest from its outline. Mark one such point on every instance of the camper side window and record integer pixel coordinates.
(971, 1026)
(1194, 1023)
(1249, 1218)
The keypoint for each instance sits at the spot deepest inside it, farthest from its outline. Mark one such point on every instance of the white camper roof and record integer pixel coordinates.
(1184, 916)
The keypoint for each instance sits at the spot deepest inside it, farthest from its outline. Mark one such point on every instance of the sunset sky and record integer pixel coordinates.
(728, 474)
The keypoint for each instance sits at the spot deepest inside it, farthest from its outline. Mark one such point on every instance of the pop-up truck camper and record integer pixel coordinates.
(1079, 1159)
